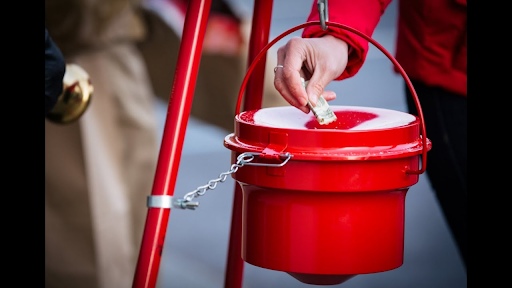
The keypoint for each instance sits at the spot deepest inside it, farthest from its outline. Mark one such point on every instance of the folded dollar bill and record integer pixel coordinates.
(322, 111)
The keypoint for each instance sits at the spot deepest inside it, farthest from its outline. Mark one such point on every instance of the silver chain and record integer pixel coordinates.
(241, 160)
(185, 203)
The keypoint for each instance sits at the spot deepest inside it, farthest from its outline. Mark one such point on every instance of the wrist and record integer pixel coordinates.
(342, 44)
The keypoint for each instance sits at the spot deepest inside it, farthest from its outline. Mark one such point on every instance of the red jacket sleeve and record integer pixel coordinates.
(362, 15)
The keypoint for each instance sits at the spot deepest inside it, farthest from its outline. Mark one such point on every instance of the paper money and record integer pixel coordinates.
(322, 111)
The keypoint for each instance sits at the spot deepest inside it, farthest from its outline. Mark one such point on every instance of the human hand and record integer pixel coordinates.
(319, 60)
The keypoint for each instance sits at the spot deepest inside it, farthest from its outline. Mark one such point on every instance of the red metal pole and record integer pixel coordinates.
(260, 29)
(235, 264)
(178, 112)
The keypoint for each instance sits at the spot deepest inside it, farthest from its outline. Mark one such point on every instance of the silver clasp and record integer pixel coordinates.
(246, 157)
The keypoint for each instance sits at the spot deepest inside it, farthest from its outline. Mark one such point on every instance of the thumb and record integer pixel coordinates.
(316, 86)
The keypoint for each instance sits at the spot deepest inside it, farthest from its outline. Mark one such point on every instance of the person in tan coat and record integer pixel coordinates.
(99, 169)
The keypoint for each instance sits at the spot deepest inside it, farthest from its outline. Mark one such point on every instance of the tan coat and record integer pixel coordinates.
(99, 170)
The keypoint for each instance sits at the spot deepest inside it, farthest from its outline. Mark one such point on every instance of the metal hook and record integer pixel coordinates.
(323, 11)
(287, 155)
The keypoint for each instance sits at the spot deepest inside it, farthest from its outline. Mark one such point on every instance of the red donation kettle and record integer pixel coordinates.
(325, 203)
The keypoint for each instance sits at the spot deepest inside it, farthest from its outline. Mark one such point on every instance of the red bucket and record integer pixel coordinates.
(326, 202)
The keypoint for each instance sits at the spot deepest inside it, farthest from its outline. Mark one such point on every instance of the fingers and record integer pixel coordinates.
(319, 60)
(328, 95)
(317, 84)
(287, 79)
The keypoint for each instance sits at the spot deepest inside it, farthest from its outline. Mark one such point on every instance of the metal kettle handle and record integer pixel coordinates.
(376, 44)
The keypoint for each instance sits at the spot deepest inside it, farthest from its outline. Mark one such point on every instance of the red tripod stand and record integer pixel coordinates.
(160, 201)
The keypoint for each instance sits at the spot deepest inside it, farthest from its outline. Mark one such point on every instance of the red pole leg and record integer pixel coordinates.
(235, 264)
(178, 112)
(259, 38)
(260, 29)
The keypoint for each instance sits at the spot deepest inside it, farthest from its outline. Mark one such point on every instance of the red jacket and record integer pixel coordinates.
(431, 40)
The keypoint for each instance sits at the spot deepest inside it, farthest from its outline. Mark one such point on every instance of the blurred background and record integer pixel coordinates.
(100, 169)
(195, 250)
